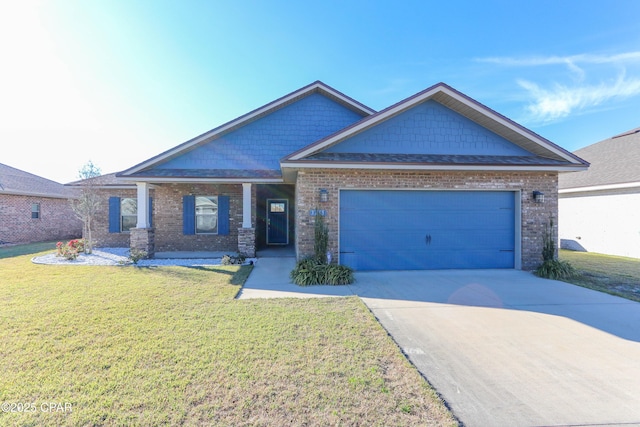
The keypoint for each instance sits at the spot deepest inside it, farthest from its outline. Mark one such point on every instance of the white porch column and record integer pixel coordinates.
(246, 205)
(143, 205)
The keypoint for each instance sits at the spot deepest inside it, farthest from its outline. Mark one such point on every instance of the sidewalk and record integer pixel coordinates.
(270, 279)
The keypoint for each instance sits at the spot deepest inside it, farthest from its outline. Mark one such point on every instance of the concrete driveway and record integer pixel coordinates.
(503, 347)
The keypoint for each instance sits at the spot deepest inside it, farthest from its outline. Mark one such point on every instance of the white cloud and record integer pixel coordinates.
(566, 60)
(560, 101)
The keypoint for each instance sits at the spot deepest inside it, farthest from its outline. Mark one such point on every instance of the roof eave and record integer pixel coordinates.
(200, 180)
(603, 187)
(37, 194)
(431, 166)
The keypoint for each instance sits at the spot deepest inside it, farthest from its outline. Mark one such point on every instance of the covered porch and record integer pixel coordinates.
(246, 217)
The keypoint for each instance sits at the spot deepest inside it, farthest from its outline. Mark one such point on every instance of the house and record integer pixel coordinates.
(435, 181)
(34, 209)
(600, 207)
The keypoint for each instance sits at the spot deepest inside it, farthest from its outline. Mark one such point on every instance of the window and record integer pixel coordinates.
(276, 207)
(128, 214)
(35, 210)
(206, 215)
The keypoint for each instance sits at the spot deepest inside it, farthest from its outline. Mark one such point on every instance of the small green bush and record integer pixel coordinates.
(311, 271)
(555, 269)
(233, 259)
(136, 255)
(321, 239)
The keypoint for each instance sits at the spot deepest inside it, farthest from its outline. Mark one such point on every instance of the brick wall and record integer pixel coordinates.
(167, 218)
(57, 220)
(100, 234)
(534, 216)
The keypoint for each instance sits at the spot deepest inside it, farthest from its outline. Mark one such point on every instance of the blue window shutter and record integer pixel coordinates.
(223, 215)
(114, 214)
(150, 212)
(188, 215)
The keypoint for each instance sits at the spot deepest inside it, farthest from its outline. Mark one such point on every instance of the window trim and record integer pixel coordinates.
(217, 215)
(122, 215)
(37, 212)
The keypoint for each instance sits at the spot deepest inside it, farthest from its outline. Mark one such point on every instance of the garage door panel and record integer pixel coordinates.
(447, 259)
(403, 259)
(423, 219)
(396, 229)
(471, 240)
(367, 239)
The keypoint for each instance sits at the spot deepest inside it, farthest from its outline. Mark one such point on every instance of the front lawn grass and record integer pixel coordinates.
(23, 249)
(606, 273)
(171, 346)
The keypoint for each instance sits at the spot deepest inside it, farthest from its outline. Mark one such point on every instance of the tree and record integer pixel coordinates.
(87, 204)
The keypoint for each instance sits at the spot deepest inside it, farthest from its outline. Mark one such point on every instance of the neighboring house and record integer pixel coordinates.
(34, 209)
(435, 181)
(600, 208)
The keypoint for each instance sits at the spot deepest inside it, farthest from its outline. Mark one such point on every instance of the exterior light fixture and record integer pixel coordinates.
(324, 195)
(538, 196)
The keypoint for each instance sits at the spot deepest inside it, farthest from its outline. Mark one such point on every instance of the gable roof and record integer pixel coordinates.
(615, 163)
(18, 182)
(545, 154)
(315, 87)
(109, 180)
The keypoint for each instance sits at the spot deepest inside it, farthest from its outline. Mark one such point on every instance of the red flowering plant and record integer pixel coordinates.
(70, 249)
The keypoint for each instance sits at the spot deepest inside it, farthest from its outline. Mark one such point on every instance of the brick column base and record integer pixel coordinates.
(247, 241)
(143, 239)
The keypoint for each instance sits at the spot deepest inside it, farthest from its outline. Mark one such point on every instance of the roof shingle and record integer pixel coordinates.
(440, 159)
(16, 181)
(615, 160)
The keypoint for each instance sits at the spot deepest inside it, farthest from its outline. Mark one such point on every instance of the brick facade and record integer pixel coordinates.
(534, 216)
(100, 233)
(57, 220)
(167, 207)
(167, 218)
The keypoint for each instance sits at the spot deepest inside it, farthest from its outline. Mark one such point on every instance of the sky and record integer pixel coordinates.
(116, 82)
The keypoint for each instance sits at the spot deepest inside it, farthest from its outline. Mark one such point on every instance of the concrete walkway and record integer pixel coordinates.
(270, 279)
(502, 347)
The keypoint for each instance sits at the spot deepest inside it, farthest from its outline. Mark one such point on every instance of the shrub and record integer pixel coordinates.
(549, 243)
(311, 271)
(555, 269)
(71, 249)
(338, 275)
(233, 259)
(551, 267)
(321, 239)
(136, 255)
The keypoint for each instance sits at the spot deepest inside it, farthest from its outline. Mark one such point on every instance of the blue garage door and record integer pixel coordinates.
(416, 230)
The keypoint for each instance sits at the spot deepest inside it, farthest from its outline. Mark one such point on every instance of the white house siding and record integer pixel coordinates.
(602, 223)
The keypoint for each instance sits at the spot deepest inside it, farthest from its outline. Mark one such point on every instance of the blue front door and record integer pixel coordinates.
(415, 230)
(277, 222)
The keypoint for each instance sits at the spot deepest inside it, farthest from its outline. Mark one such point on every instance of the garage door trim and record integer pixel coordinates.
(517, 194)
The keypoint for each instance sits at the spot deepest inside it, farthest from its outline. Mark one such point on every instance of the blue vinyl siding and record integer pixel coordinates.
(429, 128)
(413, 230)
(262, 143)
